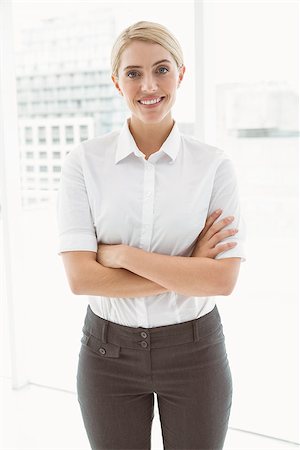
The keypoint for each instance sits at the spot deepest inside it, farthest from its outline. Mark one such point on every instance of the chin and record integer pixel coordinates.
(155, 118)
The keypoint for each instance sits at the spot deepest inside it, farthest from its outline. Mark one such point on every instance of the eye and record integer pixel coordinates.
(164, 68)
(134, 71)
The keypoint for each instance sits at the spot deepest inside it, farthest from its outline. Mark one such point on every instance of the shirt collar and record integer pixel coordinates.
(126, 143)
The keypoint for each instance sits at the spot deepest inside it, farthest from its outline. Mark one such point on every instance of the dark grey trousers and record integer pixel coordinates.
(185, 364)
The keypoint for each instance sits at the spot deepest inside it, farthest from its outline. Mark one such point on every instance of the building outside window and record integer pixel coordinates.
(83, 131)
(28, 135)
(55, 135)
(69, 134)
(42, 135)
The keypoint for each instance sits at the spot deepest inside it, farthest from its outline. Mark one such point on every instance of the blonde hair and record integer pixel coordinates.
(145, 31)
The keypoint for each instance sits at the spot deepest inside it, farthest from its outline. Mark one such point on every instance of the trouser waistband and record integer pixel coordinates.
(155, 337)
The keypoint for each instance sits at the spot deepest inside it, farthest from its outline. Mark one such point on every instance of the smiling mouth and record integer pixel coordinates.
(151, 104)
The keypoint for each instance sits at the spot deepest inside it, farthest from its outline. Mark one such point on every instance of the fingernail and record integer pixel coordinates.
(218, 211)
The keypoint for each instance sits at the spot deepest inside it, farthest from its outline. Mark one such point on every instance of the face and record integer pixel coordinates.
(149, 80)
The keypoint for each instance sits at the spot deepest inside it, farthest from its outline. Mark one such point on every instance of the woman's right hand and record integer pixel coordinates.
(211, 235)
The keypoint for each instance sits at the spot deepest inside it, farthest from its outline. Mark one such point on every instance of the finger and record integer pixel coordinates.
(211, 226)
(222, 248)
(217, 226)
(210, 220)
(220, 235)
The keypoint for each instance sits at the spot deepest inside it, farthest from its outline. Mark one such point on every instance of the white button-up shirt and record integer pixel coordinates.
(110, 193)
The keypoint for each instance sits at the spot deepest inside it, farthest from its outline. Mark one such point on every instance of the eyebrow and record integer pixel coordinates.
(140, 67)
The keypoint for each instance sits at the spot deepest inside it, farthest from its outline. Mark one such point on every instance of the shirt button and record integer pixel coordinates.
(144, 344)
(143, 334)
(102, 350)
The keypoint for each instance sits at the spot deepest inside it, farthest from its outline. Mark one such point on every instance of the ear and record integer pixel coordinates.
(114, 79)
(181, 73)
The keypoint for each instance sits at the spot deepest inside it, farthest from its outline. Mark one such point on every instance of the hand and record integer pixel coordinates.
(108, 255)
(210, 236)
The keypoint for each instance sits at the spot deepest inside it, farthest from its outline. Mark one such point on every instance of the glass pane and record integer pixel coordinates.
(65, 95)
(252, 75)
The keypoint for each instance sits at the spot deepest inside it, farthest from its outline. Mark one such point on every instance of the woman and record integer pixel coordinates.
(138, 235)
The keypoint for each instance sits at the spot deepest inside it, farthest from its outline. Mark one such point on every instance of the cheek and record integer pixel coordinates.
(169, 87)
(132, 94)
(129, 90)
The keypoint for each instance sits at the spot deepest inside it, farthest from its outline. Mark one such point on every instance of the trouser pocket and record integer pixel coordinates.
(103, 349)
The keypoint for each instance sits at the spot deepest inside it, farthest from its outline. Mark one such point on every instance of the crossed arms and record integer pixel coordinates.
(123, 271)
(145, 273)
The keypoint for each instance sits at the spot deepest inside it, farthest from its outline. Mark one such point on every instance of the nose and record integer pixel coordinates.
(149, 84)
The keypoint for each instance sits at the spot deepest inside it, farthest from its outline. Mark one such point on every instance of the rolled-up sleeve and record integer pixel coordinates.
(76, 229)
(225, 195)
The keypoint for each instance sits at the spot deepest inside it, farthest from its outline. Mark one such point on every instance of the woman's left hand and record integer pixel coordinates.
(109, 255)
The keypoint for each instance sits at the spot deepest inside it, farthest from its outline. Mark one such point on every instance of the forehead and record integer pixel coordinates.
(139, 53)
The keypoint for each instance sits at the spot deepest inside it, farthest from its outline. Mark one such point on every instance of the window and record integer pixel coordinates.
(69, 134)
(83, 132)
(28, 135)
(41, 135)
(55, 135)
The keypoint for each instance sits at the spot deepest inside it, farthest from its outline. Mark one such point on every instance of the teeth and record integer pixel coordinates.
(150, 102)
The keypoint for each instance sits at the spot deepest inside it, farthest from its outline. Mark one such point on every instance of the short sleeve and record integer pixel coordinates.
(225, 195)
(76, 229)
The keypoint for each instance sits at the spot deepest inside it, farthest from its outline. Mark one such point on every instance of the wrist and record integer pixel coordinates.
(130, 257)
(122, 255)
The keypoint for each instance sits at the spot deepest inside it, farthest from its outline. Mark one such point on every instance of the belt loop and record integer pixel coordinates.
(104, 331)
(195, 330)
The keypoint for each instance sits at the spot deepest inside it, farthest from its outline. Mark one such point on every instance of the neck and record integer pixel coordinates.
(150, 137)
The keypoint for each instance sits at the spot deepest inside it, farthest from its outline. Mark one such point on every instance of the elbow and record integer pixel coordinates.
(75, 290)
(227, 291)
(75, 287)
(226, 284)
(228, 288)
(79, 269)
(229, 274)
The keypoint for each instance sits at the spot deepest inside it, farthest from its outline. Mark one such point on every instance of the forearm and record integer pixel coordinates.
(108, 282)
(197, 276)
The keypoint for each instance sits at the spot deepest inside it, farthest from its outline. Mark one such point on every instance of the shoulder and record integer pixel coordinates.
(100, 143)
(96, 146)
(202, 150)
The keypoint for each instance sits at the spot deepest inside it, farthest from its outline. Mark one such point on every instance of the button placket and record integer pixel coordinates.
(148, 204)
(144, 343)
